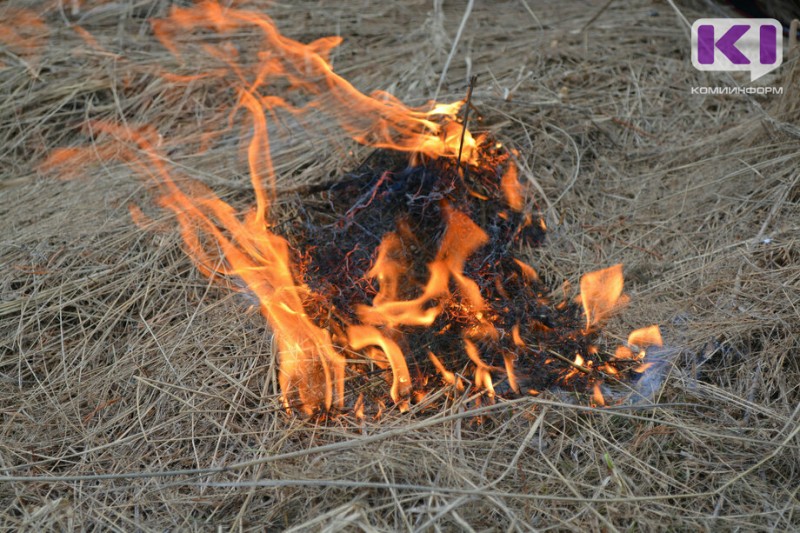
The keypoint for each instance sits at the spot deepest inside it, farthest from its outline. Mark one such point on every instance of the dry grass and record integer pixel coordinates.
(137, 395)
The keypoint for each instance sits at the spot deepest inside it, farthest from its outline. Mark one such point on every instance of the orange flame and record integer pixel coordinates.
(574, 370)
(358, 408)
(449, 377)
(516, 337)
(461, 239)
(309, 363)
(379, 120)
(512, 188)
(483, 375)
(528, 272)
(644, 337)
(597, 396)
(226, 244)
(508, 360)
(601, 294)
(363, 336)
(310, 367)
(640, 339)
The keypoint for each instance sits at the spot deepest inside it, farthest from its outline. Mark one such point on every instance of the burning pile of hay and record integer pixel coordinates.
(143, 394)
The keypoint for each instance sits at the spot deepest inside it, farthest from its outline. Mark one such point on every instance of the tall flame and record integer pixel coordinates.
(378, 120)
(311, 369)
(226, 244)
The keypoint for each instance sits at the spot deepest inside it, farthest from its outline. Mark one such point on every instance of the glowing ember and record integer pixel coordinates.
(409, 265)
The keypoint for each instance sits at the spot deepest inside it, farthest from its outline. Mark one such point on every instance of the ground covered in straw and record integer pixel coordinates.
(137, 394)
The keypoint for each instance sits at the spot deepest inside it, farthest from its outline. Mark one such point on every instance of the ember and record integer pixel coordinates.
(409, 270)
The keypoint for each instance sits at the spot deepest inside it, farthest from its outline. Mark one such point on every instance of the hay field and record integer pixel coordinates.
(137, 395)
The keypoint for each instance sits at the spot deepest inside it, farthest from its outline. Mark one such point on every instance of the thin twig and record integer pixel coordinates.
(454, 47)
(467, 105)
(596, 16)
(573, 364)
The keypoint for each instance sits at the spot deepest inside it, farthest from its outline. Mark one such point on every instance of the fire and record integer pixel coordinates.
(508, 360)
(311, 369)
(512, 188)
(498, 347)
(597, 396)
(483, 375)
(639, 340)
(449, 377)
(644, 337)
(601, 294)
(378, 120)
(460, 240)
(363, 336)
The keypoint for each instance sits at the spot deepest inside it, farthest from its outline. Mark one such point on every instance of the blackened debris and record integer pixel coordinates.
(337, 235)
